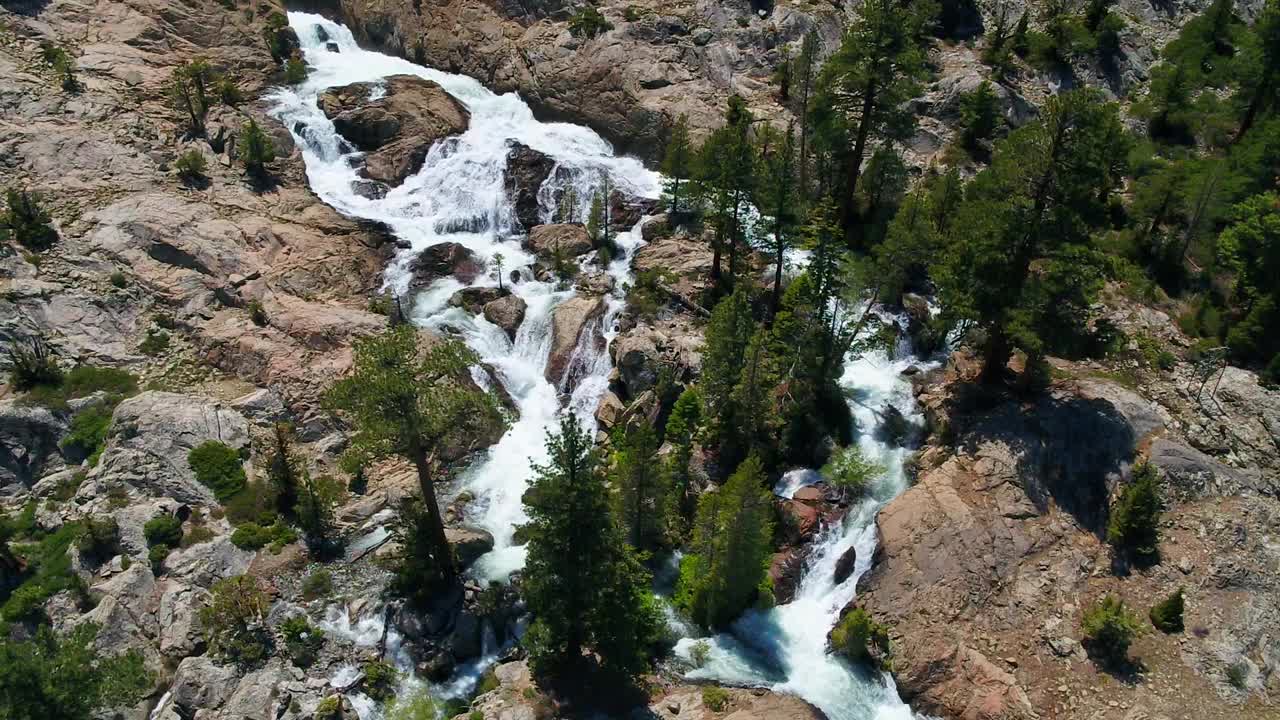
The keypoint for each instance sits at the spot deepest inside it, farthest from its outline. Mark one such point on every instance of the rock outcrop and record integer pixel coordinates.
(443, 260)
(507, 313)
(568, 239)
(398, 128)
(527, 169)
(570, 321)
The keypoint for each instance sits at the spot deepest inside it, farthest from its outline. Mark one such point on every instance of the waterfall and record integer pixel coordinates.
(459, 196)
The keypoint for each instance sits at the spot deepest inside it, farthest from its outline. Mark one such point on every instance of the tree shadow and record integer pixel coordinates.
(262, 182)
(25, 8)
(1069, 451)
(1126, 670)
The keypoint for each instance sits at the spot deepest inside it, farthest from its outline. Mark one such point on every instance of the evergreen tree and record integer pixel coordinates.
(778, 198)
(282, 469)
(641, 487)
(1250, 248)
(804, 71)
(47, 676)
(1135, 518)
(681, 430)
(406, 400)
(863, 89)
(677, 164)
(26, 222)
(188, 92)
(583, 585)
(726, 179)
(256, 148)
(726, 568)
(1047, 186)
(1109, 629)
(755, 422)
(979, 116)
(317, 499)
(1258, 68)
(723, 357)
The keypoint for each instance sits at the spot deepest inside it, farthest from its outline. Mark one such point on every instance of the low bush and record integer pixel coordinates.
(1166, 615)
(295, 71)
(1134, 525)
(318, 584)
(156, 342)
(191, 166)
(26, 222)
(1109, 629)
(32, 365)
(861, 639)
(163, 530)
(218, 467)
(380, 679)
(1238, 674)
(88, 433)
(234, 621)
(715, 698)
(588, 22)
(48, 570)
(302, 640)
(330, 708)
(252, 536)
(99, 540)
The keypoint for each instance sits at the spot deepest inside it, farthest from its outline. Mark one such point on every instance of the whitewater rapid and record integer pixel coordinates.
(461, 186)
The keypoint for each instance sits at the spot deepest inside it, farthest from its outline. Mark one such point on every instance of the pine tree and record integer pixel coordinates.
(189, 93)
(583, 585)
(282, 468)
(725, 180)
(1135, 518)
(723, 357)
(864, 87)
(256, 148)
(725, 570)
(1258, 67)
(1047, 187)
(406, 400)
(677, 163)
(979, 115)
(777, 197)
(317, 500)
(681, 430)
(641, 487)
(804, 70)
(755, 422)
(26, 222)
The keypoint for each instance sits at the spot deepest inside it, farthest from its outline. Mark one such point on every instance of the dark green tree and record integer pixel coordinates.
(26, 222)
(979, 116)
(863, 89)
(641, 488)
(583, 585)
(804, 75)
(1258, 68)
(188, 93)
(1250, 248)
(1109, 629)
(723, 357)
(677, 164)
(725, 569)
(317, 499)
(48, 676)
(725, 182)
(408, 400)
(282, 467)
(778, 198)
(256, 149)
(1048, 185)
(1134, 525)
(681, 431)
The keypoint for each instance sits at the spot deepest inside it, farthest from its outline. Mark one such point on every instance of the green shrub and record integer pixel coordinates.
(1238, 674)
(861, 639)
(330, 708)
(487, 683)
(699, 653)
(255, 503)
(229, 91)
(196, 535)
(119, 280)
(99, 540)
(85, 380)
(62, 676)
(48, 569)
(1109, 628)
(25, 222)
(295, 71)
(64, 66)
(318, 584)
(419, 705)
(588, 22)
(191, 166)
(302, 640)
(163, 530)
(380, 679)
(31, 366)
(1166, 615)
(234, 621)
(252, 536)
(156, 557)
(1134, 525)
(256, 148)
(632, 13)
(258, 314)
(88, 432)
(715, 698)
(218, 467)
(156, 342)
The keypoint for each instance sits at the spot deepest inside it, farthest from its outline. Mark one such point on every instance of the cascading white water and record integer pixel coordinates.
(785, 647)
(458, 196)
